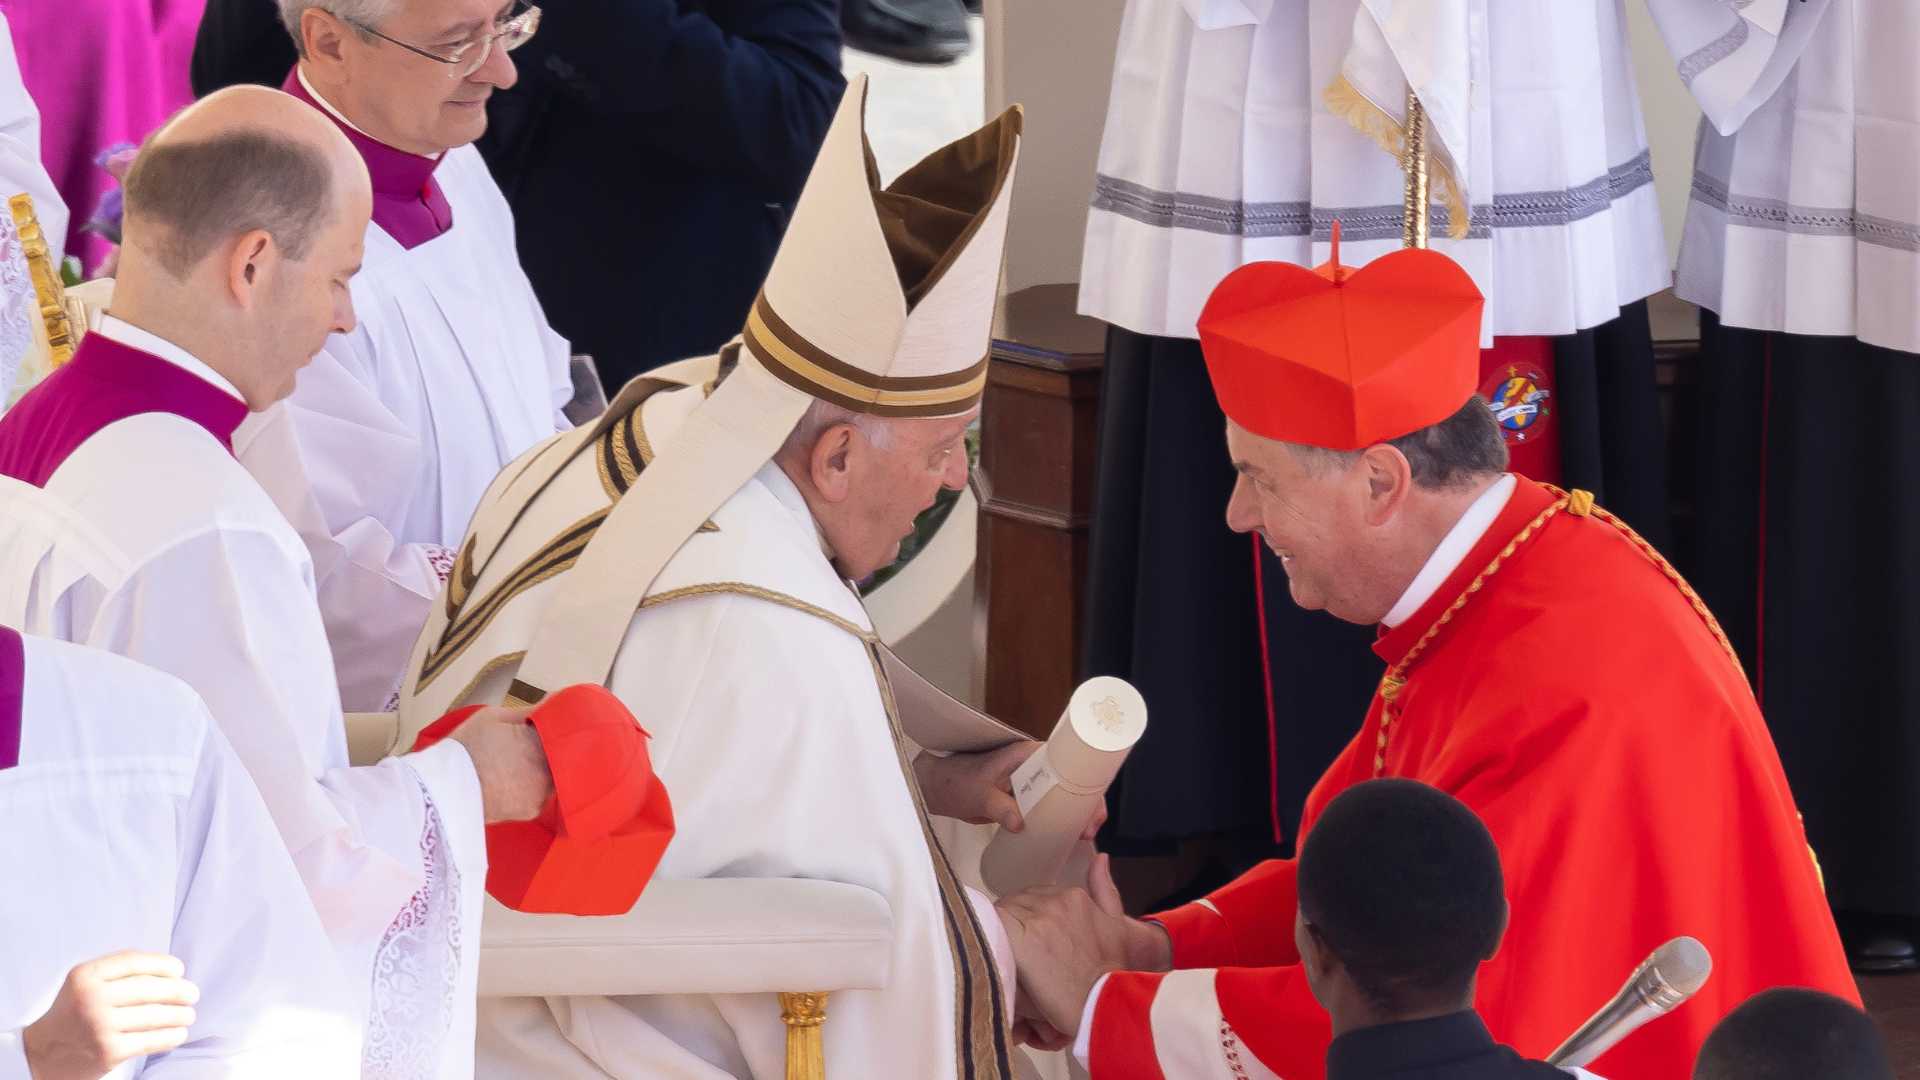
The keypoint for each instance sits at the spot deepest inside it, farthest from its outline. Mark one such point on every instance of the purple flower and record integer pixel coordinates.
(106, 217)
(107, 155)
(116, 159)
(119, 162)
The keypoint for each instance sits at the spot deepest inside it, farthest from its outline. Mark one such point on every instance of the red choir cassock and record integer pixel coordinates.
(1564, 682)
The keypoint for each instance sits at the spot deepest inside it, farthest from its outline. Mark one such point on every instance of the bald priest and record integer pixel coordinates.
(1545, 666)
(126, 524)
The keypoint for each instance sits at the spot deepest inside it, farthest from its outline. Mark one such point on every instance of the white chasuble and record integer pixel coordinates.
(1805, 210)
(1220, 150)
(148, 539)
(749, 664)
(393, 432)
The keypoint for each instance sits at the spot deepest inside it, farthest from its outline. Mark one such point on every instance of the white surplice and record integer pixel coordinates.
(397, 427)
(21, 172)
(20, 166)
(1220, 151)
(152, 542)
(131, 825)
(750, 668)
(1805, 210)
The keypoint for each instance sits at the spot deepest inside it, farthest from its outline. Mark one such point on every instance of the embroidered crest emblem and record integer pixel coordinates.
(1520, 397)
(1110, 713)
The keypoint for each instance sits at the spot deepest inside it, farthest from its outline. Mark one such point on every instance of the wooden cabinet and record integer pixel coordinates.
(1035, 485)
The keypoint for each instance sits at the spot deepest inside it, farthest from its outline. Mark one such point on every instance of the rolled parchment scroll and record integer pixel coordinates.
(1061, 786)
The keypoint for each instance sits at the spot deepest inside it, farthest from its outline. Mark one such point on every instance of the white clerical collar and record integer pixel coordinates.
(1453, 550)
(788, 493)
(114, 329)
(300, 72)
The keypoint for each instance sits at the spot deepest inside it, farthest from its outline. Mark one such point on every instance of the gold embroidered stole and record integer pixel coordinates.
(980, 1021)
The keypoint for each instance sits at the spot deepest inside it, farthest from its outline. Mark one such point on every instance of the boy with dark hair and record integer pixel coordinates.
(1790, 1033)
(1401, 899)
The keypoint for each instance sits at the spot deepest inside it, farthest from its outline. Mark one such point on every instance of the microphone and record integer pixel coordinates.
(1670, 976)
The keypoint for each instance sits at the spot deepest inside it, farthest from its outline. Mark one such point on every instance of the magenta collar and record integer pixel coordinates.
(407, 200)
(13, 679)
(103, 383)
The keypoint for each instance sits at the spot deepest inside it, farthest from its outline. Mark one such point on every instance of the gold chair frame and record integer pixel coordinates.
(48, 291)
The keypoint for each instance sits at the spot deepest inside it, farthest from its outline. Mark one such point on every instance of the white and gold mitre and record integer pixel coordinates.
(881, 299)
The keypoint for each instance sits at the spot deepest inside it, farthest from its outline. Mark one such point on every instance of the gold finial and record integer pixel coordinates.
(1414, 162)
(1579, 503)
(48, 293)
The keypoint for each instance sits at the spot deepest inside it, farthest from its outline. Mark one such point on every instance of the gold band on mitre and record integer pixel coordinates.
(799, 363)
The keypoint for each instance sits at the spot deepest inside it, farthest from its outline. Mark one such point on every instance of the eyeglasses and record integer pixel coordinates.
(467, 57)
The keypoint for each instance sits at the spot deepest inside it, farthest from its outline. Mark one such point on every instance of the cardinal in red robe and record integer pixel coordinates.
(1545, 665)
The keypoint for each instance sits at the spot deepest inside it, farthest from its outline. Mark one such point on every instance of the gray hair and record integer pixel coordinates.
(1464, 447)
(355, 13)
(823, 414)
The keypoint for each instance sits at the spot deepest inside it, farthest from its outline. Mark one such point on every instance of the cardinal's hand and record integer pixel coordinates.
(1064, 939)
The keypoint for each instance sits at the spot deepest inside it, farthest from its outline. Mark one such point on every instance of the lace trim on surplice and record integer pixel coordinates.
(416, 969)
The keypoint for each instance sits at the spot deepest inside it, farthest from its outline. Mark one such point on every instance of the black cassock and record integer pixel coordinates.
(1808, 455)
(1452, 1047)
(1252, 697)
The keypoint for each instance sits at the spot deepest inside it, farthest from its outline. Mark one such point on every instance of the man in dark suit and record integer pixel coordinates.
(1401, 898)
(651, 152)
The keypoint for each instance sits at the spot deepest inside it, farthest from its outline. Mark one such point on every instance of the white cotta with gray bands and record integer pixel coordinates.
(1512, 210)
(1804, 215)
(1220, 150)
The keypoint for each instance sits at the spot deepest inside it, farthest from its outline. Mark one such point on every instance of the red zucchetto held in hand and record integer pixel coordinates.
(596, 842)
(1341, 358)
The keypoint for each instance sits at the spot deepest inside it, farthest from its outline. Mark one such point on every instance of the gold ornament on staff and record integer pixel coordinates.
(1413, 160)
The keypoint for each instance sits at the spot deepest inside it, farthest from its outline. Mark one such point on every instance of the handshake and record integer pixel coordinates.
(1064, 938)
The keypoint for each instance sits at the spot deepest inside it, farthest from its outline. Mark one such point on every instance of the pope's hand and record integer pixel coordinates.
(111, 1010)
(515, 783)
(1065, 939)
(976, 788)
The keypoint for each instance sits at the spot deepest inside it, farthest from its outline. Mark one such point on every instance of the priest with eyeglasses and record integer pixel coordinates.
(382, 452)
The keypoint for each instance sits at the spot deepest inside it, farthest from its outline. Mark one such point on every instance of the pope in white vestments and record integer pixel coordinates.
(126, 524)
(132, 826)
(751, 659)
(381, 453)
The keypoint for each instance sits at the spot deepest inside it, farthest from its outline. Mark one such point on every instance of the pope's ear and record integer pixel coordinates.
(1389, 479)
(829, 463)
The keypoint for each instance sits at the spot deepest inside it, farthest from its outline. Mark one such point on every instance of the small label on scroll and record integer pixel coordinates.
(1032, 780)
